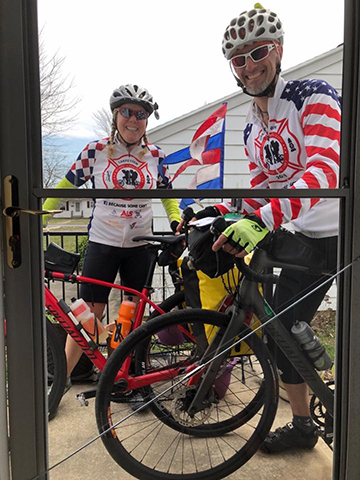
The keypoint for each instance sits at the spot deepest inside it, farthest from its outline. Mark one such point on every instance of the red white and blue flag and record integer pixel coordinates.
(206, 149)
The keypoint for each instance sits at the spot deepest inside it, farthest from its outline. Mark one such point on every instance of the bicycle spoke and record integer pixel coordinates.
(168, 440)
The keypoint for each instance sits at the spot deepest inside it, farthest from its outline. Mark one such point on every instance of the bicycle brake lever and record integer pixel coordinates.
(218, 226)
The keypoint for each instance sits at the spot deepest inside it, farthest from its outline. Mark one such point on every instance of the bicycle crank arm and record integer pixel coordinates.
(84, 396)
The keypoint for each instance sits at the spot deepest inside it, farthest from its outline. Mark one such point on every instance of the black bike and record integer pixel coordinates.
(213, 402)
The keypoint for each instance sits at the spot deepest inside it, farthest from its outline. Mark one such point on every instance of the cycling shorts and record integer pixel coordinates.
(292, 286)
(104, 262)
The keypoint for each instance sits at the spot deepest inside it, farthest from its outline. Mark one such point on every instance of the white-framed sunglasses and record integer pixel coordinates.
(256, 55)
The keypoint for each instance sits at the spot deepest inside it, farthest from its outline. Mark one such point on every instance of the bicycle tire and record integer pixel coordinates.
(216, 428)
(56, 365)
(176, 300)
(244, 416)
(147, 447)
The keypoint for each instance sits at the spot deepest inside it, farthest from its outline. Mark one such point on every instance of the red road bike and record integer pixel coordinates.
(59, 266)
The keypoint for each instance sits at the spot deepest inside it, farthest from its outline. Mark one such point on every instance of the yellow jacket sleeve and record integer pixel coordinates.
(52, 203)
(172, 209)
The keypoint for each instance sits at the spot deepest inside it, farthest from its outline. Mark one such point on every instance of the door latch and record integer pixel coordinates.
(12, 221)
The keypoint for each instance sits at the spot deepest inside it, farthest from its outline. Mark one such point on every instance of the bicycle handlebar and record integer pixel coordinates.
(250, 274)
(218, 225)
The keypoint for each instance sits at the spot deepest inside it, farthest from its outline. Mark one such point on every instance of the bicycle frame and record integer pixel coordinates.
(63, 314)
(250, 297)
(284, 340)
(190, 405)
(58, 310)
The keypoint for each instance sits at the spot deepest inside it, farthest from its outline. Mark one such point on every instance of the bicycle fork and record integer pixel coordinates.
(219, 350)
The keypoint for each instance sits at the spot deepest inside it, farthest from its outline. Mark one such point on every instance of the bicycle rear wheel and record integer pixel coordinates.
(166, 443)
(175, 301)
(56, 367)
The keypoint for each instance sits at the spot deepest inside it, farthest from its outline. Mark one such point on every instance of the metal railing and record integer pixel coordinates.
(162, 283)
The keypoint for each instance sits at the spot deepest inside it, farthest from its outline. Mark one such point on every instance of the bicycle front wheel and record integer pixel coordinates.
(165, 442)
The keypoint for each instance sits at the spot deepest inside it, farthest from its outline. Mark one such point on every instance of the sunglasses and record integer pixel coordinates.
(256, 55)
(128, 113)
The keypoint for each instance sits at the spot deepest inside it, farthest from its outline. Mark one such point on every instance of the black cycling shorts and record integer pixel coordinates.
(103, 262)
(292, 286)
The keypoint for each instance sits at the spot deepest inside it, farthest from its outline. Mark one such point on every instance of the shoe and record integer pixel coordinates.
(289, 437)
(68, 385)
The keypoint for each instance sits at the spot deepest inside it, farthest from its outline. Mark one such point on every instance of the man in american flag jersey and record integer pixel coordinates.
(292, 140)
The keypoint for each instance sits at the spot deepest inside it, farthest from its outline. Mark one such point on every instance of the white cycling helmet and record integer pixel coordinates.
(133, 94)
(255, 25)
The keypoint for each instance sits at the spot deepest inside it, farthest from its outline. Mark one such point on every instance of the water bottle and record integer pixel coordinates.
(311, 345)
(123, 323)
(87, 318)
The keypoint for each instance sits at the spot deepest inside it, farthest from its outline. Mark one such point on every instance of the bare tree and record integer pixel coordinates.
(103, 120)
(57, 104)
(55, 165)
(58, 113)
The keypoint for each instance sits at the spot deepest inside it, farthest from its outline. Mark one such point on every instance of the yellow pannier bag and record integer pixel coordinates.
(208, 293)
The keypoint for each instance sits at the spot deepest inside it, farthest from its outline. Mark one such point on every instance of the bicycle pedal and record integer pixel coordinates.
(80, 397)
(84, 396)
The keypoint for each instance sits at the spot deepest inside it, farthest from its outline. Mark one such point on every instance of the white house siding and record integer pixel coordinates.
(177, 134)
(75, 208)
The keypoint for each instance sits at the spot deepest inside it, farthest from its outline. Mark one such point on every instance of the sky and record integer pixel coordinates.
(172, 48)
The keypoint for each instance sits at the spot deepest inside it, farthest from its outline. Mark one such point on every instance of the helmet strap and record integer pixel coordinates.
(127, 144)
(269, 90)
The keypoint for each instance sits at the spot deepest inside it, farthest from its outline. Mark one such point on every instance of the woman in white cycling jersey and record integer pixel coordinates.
(124, 161)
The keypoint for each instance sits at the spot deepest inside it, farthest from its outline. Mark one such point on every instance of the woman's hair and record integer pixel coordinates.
(110, 148)
(144, 150)
(111, 143)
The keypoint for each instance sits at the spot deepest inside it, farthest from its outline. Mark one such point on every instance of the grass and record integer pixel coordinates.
(69, 243)
(67, 221)
(323, 325)
(56, 225)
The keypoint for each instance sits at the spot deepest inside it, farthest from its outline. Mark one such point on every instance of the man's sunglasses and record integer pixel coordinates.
(128, 113)
(256, 55)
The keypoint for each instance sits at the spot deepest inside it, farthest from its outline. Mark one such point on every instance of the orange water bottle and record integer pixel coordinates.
(123, 323)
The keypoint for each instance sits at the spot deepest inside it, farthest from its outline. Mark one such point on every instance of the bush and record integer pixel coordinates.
(323, 325)
(82, 248)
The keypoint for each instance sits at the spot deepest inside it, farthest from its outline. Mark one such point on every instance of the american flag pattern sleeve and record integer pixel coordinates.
(83, 168)
(299, 149)
(258, 179)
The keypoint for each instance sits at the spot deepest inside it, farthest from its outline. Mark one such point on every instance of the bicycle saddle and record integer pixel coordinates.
(168, 239)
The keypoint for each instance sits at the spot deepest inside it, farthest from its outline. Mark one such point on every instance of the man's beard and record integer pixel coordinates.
(258, 89)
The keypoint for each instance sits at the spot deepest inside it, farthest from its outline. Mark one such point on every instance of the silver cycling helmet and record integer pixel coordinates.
(255, 25)
(133, 94)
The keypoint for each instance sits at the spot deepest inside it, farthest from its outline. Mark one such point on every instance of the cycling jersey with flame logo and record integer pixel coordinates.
(115, 221)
